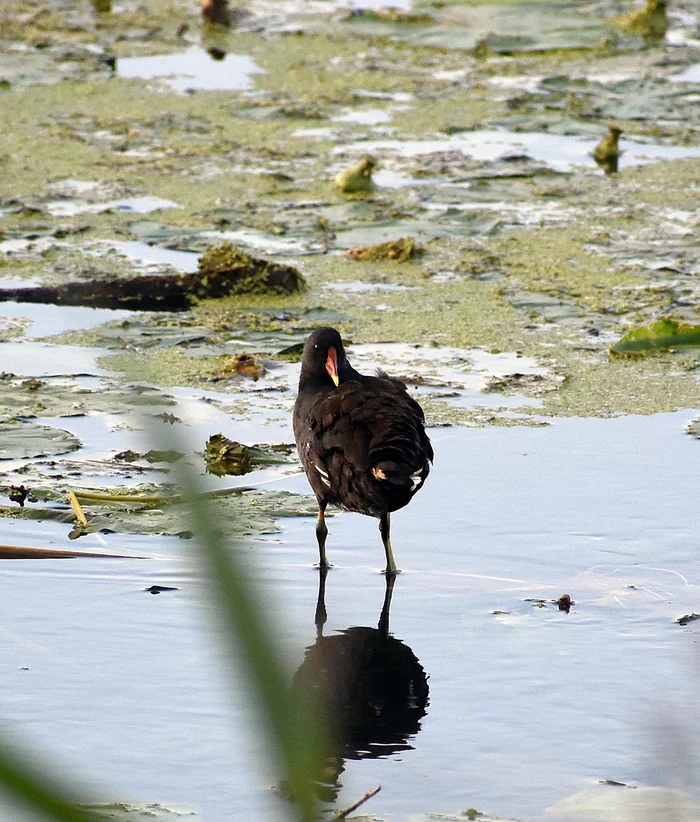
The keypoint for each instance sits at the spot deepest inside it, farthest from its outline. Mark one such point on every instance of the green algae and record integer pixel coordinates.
(624, 387)
(398, 250)
(546, 291)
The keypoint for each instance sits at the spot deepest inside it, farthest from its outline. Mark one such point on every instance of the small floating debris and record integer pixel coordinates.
(228, 457)
(398, 250)
(150, 456)
(607, 152)
(357, 179)
(663, 335)
(686, 618)
(223, 270)
(158, 589)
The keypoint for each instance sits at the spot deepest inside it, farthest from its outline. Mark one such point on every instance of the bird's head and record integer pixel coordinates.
(324, 356)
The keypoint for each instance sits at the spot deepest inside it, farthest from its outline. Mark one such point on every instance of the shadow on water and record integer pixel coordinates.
(369, 686)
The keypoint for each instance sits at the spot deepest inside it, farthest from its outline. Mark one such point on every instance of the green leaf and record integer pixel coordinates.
(664, 335)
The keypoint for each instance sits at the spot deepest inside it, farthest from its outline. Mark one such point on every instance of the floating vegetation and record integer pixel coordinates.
(20, 439)
(223, 270)
(151, 456)
(245, 364)
(228, 270)
(224, 456)
(391, 15)
(357, 179)
(398, 250)
(663, 335)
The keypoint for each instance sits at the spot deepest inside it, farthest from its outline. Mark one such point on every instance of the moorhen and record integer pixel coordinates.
(361, 439)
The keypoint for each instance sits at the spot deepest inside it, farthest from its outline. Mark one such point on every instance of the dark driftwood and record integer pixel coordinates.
(223, 271)
(18, 552)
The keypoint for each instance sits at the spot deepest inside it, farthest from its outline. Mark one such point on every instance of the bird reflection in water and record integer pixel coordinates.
(216, 54)
(368, 687)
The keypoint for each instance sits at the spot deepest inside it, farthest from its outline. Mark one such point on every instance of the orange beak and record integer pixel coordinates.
(332, 365)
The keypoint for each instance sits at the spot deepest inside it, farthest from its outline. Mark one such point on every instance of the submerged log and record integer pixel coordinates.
(223, 270)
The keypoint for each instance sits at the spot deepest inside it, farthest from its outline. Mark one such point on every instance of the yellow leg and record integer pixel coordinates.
(384, 526)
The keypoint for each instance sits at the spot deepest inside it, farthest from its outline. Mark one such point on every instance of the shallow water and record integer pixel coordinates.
(559, 152)
(135, 205)
(44, 320)
(192, 69)
(525, 707)
(147, 254)
(690, 75)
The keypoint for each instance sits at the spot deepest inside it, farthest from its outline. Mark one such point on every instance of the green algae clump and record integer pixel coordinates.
(244, 274)
(397, 250)
(357, 179)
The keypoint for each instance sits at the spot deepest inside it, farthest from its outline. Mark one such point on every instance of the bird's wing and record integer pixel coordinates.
(372, 420)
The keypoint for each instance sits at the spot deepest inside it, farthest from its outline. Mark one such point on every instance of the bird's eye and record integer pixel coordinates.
(316, 347)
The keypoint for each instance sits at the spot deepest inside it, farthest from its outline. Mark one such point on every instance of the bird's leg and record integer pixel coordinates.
(391, 569)
(321, 534)
(321, 615)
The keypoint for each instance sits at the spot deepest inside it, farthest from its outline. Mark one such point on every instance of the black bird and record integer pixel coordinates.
(361, 439)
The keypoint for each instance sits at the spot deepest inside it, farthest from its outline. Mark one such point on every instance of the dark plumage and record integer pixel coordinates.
(361, 439)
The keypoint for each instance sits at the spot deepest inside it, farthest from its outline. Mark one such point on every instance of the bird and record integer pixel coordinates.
(607, 152)
(361, 439)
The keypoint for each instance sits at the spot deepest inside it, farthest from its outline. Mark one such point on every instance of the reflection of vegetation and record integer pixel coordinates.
(367, 685)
